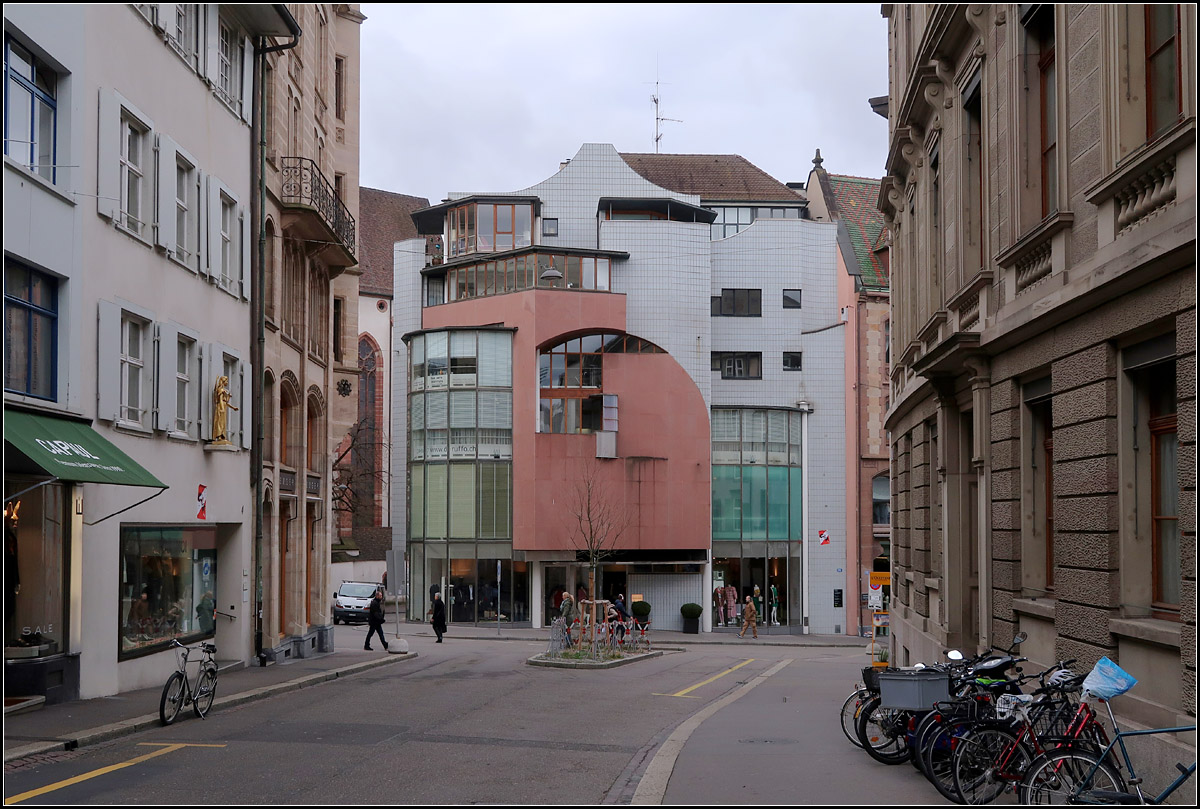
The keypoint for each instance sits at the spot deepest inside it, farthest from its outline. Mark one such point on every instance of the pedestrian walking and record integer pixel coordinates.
(749, 618)
(438, 611)
(567, 607)
(375, 620)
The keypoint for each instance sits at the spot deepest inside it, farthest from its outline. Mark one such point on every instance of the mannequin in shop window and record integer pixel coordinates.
(731, 603)
(774, 605)
(758, 602)
(719, 605)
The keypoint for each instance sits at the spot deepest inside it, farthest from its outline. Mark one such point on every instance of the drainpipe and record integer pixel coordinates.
(805, 609)
(258, 169)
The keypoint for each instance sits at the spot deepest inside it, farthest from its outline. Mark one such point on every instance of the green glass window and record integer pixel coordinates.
(777, 502)
(754, 502)
(727, 502)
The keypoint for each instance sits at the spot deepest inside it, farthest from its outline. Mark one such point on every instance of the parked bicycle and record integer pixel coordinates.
(886, 730)
(179, 691)
(1087, 775)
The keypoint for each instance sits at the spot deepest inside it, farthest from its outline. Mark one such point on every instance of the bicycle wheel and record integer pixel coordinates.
(883, 732)
(172, 699)
(1067, 776)
(938, 753)
(986, 761)
(929, 724)
(850, 710)
(206, 691)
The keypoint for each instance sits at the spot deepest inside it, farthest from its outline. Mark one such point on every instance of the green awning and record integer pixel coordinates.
(71, 450)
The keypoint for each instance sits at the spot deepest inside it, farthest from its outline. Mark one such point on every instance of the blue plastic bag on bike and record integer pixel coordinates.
(1108, 680)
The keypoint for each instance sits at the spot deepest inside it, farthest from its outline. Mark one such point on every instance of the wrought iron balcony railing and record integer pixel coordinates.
(304, 184)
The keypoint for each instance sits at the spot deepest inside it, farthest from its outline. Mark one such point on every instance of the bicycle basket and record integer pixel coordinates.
(870, 677)
(1108, 680)
(1010, 705)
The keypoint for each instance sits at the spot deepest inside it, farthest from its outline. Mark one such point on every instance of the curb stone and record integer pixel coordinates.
(539, 660)
(126, 727)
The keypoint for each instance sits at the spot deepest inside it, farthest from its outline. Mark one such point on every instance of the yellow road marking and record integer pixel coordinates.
(684, 692)
(166, 748)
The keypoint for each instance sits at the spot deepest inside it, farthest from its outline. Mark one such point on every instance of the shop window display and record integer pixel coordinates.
(34, 571)
(168, 584)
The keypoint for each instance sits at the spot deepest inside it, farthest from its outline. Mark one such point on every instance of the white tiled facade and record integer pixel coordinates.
(672, 271)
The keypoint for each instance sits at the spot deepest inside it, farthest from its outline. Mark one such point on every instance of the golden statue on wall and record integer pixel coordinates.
(222, 398)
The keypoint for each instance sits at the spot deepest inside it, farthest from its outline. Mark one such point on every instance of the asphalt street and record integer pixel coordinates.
(468, 721)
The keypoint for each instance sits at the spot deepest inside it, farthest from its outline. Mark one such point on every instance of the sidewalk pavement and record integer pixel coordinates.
(69, 725)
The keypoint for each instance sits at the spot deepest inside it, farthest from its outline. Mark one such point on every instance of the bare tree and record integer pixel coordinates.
(596, 523)
(359, 466)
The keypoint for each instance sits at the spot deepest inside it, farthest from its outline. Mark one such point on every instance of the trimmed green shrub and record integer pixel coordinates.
(691, 610)
(640, 609)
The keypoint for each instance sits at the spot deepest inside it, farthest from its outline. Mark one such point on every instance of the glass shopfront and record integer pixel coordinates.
(757, 514)
(35, 569)
(479, 582)
(168, 585)
(768, 572)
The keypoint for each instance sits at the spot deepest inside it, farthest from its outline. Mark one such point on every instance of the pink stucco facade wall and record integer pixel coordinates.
(660, 480)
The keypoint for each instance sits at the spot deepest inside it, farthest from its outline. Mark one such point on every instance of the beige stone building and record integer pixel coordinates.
(310, 308)
(1041, 195)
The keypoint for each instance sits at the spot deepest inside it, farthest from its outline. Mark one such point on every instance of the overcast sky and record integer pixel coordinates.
(491, 98)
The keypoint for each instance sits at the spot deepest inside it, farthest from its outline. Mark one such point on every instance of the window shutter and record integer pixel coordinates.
(248, 80)
(462, 344)
(202, 224)
(435, 411)
(214, 229)
(245, 381)
(725, 425)
(777, 427)
(108, 172)
(418, 411)
(165, 232)
(212, 39)
(495, 410)
(108, 365)
(245, 275)
(495, 359)
(462, 408)
(206, 379)
(168, 364)
(166, 18)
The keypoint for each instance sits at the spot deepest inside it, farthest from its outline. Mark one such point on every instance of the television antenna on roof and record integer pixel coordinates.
(658, 118)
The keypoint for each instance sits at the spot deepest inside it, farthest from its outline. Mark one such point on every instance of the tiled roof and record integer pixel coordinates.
(384, 218)
(855, 201)
(723, 178)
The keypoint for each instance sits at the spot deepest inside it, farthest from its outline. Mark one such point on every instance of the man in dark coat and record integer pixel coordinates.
(375, 620)
(438, 610)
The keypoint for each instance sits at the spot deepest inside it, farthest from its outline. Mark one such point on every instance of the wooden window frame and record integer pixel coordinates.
(1159, 427)
(1048, 125)
(1172, 42)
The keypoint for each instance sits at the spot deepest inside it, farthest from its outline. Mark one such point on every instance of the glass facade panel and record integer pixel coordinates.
(462, 500)
(727, 502)
(416, 501)
(470, 498)
(754, 502)
(777, 502)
